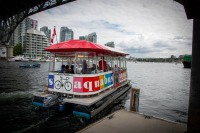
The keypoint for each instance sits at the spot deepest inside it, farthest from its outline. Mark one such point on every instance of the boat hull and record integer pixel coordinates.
(91, 111)
(186, 64)
(87, 107)
(45, 101)
(30, 66)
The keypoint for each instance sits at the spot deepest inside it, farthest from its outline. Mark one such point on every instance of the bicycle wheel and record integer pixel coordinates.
(68, 85)
(58, 84)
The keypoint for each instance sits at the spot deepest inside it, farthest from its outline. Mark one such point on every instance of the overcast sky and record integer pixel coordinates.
(142, 28)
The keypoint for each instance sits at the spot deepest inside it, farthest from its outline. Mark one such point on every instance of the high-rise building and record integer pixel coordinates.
(22, 28)
(30, 24)
(46, 31)
(110, 44)
(90, 37)
(66, 34)
(82, 38)
(34, 44)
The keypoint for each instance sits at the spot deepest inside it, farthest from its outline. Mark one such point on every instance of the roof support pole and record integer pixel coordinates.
(194, 96)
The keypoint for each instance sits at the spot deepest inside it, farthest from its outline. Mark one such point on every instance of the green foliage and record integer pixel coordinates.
(17, 50)
(156, 59)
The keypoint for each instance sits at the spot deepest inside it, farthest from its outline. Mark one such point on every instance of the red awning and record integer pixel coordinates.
(80, 46)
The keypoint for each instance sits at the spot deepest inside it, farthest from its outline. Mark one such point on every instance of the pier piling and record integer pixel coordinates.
(134, 100)
(194, 97)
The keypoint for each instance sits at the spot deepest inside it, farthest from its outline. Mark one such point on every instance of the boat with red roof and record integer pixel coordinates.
(83, 83)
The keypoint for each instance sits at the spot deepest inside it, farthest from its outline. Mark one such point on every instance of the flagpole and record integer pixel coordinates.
(56, 38)
(56, 34)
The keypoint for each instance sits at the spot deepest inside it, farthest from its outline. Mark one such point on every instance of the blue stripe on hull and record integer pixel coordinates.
(38, 104)
(85, 115)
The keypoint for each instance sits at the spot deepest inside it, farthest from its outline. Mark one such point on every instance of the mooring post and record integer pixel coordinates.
(46, 89)
(193, 125)
(134, 101)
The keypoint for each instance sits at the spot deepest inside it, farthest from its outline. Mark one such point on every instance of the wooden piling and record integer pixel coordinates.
(134, 100)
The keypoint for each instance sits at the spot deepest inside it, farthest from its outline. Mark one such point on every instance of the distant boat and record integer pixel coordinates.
(187, 59)
(48, 60)
(18, 58)
(34, 65)
(36, 59)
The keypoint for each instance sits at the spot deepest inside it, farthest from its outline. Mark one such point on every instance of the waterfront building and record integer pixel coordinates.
(90, 37)
(46, 31)
(34, 44)
(66, 34)
(21, 29)
(110, 44)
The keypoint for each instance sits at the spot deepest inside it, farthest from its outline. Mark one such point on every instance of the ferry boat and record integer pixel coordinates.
(93, 84)
(187, 61)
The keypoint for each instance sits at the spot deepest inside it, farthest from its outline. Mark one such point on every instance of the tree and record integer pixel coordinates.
(17, 50)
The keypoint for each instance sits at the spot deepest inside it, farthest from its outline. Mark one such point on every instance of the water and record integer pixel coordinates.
(164, 89)
(164, 93)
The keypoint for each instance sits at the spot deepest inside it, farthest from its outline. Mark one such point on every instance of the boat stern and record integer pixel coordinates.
(45, 100)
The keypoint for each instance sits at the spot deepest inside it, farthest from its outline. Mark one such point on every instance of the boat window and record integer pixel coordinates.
(85, 62)
(122, 61)
(109, 63)
(66, 59)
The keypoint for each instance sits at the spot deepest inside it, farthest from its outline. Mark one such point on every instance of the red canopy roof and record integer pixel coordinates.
(80, 46)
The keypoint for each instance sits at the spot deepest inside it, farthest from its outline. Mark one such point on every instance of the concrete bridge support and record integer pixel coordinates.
(193, 125)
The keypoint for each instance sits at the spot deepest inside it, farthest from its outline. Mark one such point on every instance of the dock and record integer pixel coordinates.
(123, 121)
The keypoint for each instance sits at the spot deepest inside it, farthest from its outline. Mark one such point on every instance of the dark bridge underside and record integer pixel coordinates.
(13, 12)
(8, 8)
(192, 8)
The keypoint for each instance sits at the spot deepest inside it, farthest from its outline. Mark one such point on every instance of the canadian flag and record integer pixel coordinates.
(53, 35)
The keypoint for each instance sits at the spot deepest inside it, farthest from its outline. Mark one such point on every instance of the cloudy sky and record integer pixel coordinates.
(142, 28)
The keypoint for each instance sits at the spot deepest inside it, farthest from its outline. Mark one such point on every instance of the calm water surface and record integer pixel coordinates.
(164, 92)
(164, 89)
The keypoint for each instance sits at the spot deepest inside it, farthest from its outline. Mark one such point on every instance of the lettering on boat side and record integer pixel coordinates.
(62, 83)
(67, 84)
(50, 81)
(92, 84)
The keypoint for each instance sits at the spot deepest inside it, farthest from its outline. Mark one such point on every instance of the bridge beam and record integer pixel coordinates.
(9, 24)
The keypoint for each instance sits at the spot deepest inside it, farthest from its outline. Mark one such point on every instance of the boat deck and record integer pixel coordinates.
(87, 101)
